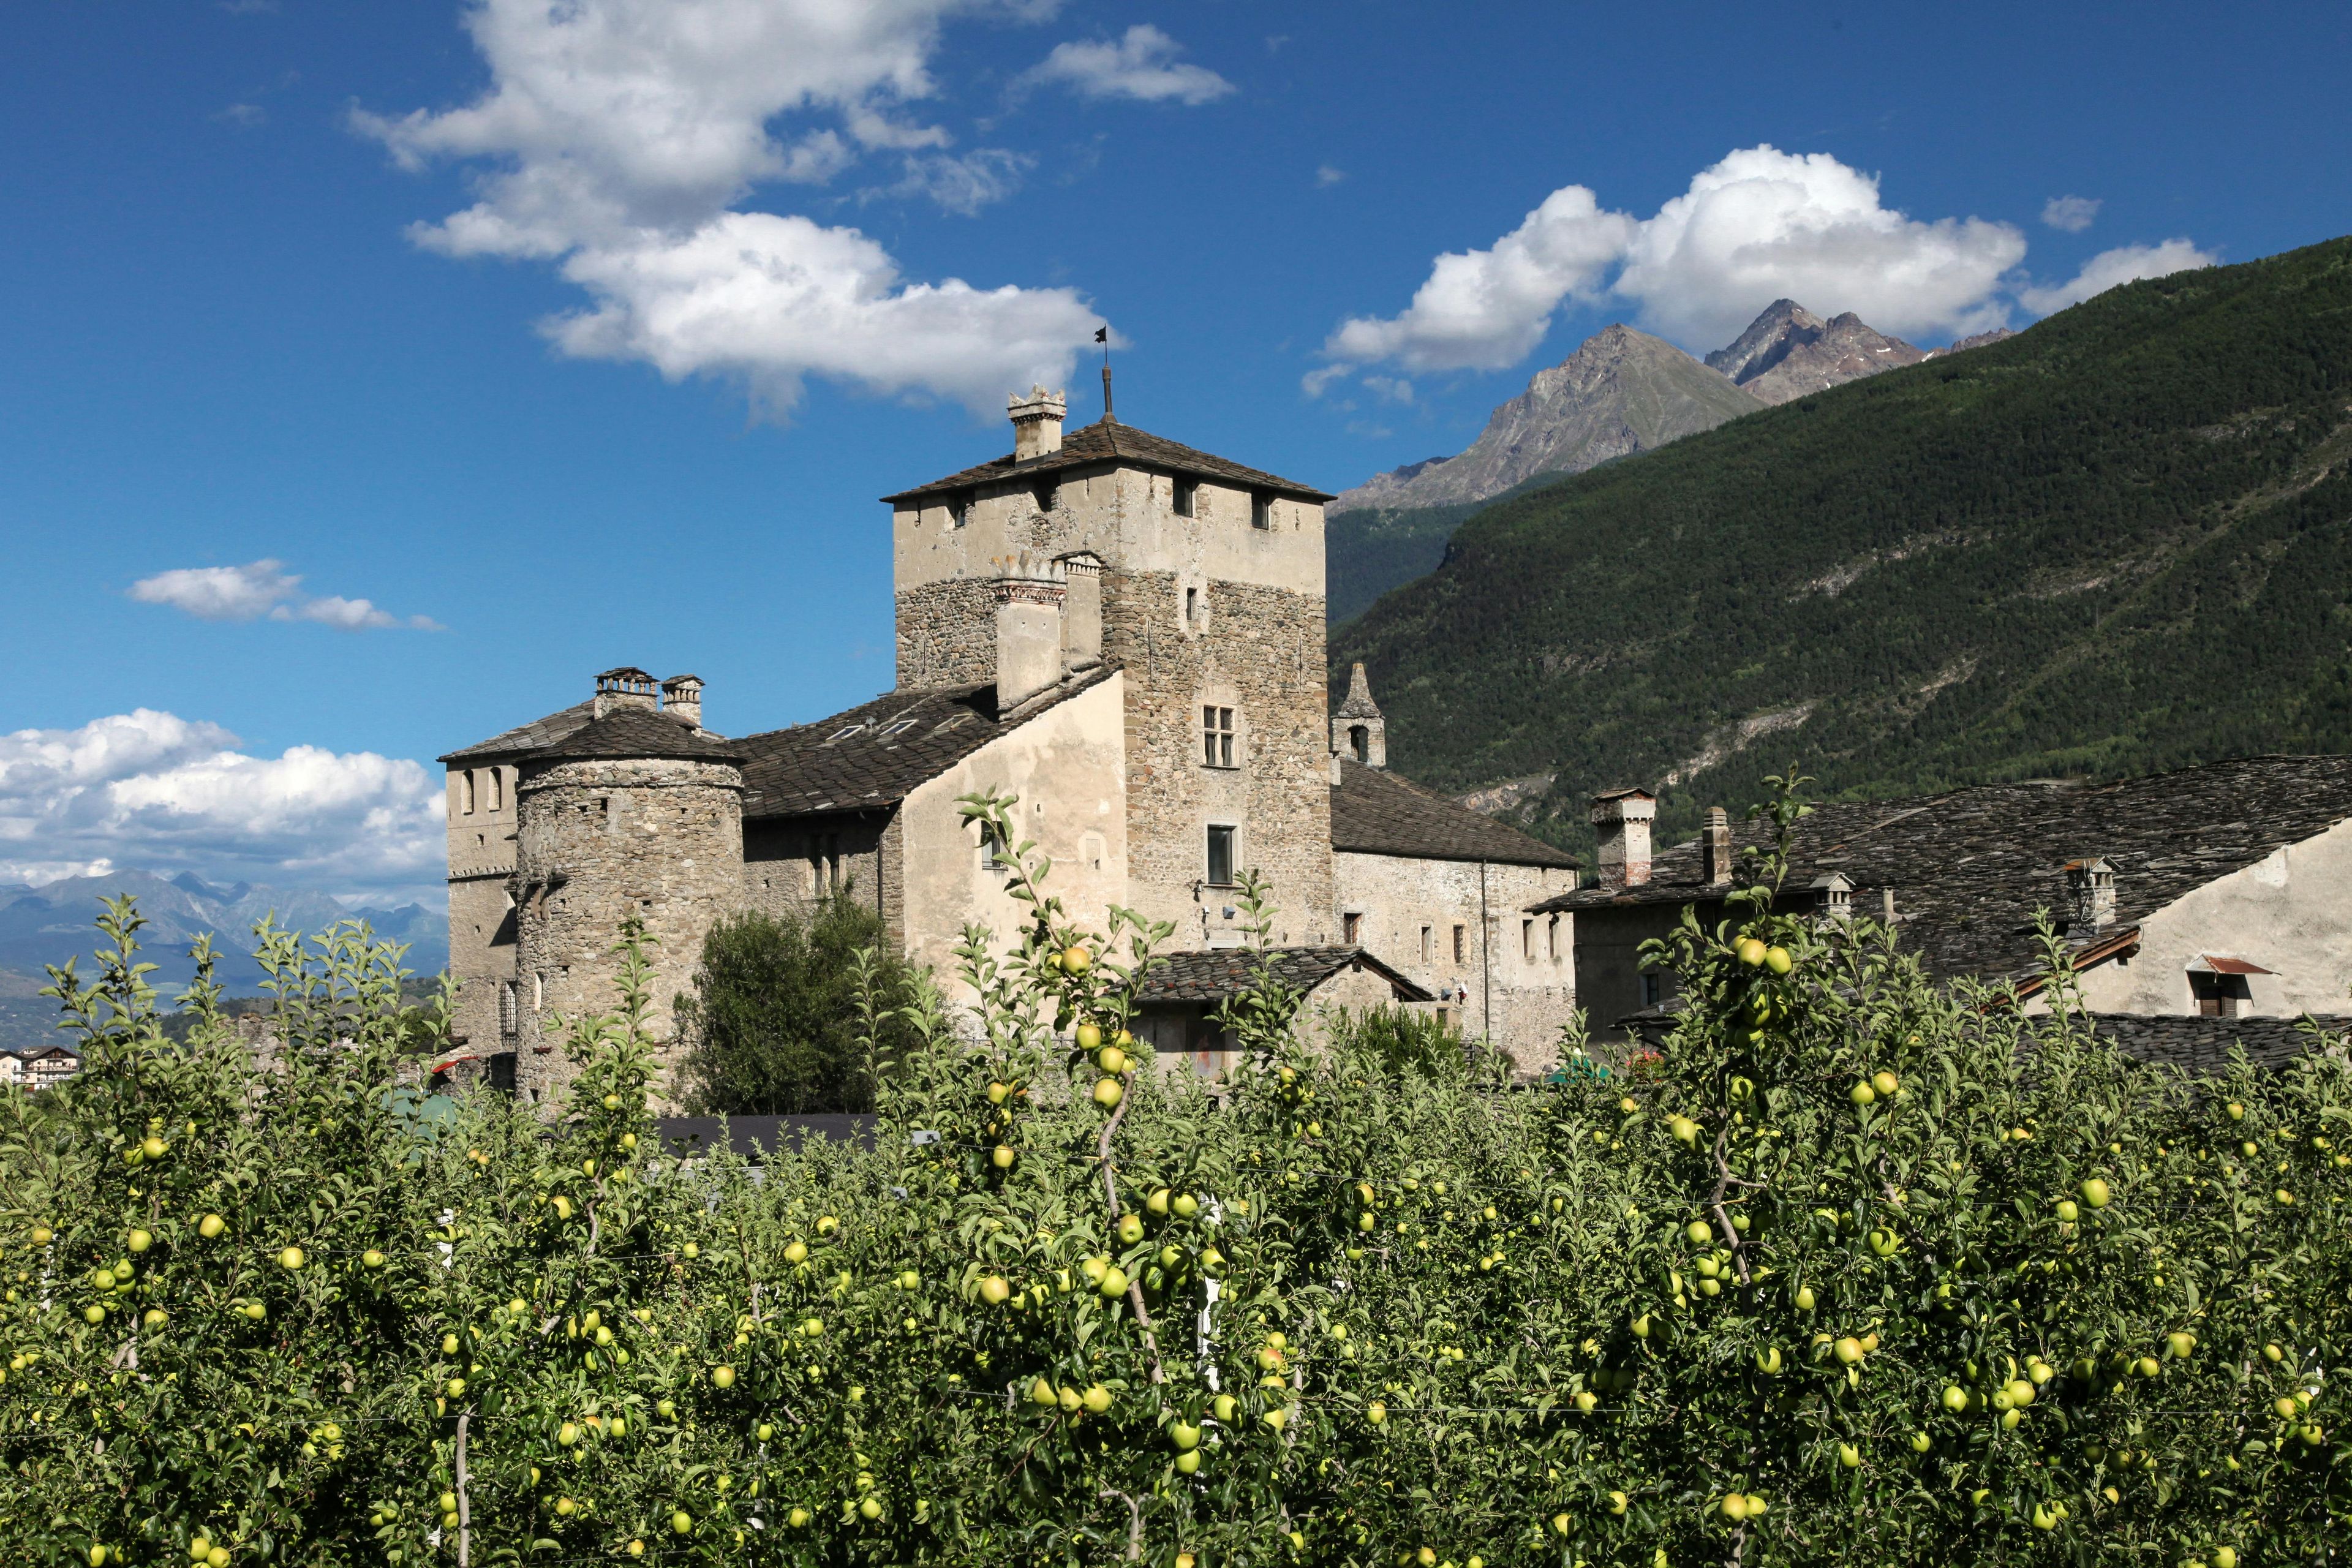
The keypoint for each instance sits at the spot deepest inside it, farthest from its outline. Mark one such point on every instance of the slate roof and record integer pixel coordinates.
(2201, 1045)
(875, 754)
(1373, 812)
(1218, 974)
(525, 738)
(639, 732)
(1108, 441)
(1970, 867)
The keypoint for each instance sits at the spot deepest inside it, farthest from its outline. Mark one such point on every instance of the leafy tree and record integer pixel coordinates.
(772, 1026)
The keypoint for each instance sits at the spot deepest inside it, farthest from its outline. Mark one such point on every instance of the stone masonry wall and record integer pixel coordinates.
(947, 633)
(787, 863)
(480, 811)
(600, 840)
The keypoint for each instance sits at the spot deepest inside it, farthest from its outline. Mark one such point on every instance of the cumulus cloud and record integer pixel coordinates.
(1142, 65)
(2109, 268)
(621, 139)
(264, 588)
(1759, 226)
(2071, 214)
(1326, 175)
(153, 790)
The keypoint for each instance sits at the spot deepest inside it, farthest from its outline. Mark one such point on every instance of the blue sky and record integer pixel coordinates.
(563, 345)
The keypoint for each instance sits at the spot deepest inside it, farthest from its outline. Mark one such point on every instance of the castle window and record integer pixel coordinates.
(1650, 990)
(1260, 511)
(1192, 606)
(1428, 945)
(1186, 498)
(960, 508)
(469, 792)
(1351, 928)
(1360, 740)
(1461, 945)
(1220, 855)
(1551, 938)
(1217, 737)
(498, 788)
(509, 1008)
(1528, 940)
(1047, 494)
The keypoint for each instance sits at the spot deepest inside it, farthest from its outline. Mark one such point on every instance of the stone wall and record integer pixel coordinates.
(791, 863)
(600, 840)
(947, 633)
(1517, 978)
(480, 810)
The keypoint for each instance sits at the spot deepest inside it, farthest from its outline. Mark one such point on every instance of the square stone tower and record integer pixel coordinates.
(1202, 580)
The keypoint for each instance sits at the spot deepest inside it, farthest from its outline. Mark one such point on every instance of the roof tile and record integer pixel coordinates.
(1108, 441)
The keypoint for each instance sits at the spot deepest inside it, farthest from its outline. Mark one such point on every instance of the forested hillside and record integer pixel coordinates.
(2119, 542)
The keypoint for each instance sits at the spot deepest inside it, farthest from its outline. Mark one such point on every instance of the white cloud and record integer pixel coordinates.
(1326, 175)
(1484, 310)
(1756, 226)
(153, 790)
(623, 137)
(244, 116)
(2109, 268)
(2071, 214)
(262, 588)
(1141, 65)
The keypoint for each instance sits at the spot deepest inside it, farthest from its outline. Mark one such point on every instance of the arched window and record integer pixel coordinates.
(1360, 740)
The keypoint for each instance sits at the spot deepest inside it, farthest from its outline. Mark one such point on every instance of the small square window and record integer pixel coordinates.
(1221, 855)
(1217, 737)
(1260, 511)
(1186, 498)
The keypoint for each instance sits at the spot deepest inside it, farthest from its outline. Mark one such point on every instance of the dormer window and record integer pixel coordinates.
(1261, 511)
(844, 732)
(1187, 494)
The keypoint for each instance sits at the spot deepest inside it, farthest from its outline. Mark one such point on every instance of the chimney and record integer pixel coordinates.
(1714, 847)
(1030, 591)
(623, 685)
(1036, 422)
(682, 696)
(1082, 611)
(1620, 819)
(1834, 896)
(2090, 890)
(1358, 730)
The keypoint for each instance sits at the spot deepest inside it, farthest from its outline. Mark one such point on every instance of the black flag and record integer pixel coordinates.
(1102, 334)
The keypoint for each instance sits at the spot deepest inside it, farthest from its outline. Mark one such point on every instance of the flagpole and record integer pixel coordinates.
(1102, 336)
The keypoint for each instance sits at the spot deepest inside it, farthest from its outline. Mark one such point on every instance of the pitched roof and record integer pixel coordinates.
(876, 754)
(639, 732)
(1108, 441)
(1219, 973)
(528, 737)
(2201, 1045)
(1373, 812)
(1970, 869)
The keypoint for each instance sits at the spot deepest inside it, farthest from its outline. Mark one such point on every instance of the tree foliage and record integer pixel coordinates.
(2022, 1300)
(772, 1025)
(2117, 542)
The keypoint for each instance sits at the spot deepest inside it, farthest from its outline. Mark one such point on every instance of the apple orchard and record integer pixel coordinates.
(1858, 1268)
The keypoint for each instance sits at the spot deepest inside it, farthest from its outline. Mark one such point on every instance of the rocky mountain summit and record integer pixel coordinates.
(1788, 351)
(1620, 392)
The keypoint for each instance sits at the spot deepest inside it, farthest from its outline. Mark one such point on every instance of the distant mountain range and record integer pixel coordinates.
(46, 925)
(2117, 542)
(1622, 392)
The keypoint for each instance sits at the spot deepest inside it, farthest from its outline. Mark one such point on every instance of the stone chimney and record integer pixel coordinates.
(623, 685)
(1620, 819)
(1082, 610)
(1030, 591)
(1714, 847)
(1834, 896)
(682, 696)
(1036, 422)
(1358, 730)
(2091, 892)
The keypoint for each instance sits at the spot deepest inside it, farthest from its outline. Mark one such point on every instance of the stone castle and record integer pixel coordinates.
(1125, 633)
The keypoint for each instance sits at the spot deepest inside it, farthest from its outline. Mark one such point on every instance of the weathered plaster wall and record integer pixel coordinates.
(2290, 913)
(481, 857)
(1065, 766)
(598, 841)
(791, 863)
(1609, 967)
(1524, 965)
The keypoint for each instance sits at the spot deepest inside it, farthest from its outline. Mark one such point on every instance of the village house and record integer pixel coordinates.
(42, 1067)
(2197, 907)
(1125, 633)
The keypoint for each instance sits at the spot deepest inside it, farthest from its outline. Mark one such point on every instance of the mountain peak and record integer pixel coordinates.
(1788, 351)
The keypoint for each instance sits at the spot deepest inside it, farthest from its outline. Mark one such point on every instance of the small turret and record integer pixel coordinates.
(1358, 730)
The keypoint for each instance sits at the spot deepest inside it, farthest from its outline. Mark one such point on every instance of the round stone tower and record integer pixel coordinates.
(637, 813)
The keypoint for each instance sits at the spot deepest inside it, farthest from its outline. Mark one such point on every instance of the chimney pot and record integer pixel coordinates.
(623, 685)
(1036, 422)
(1834, 896)
(1714, 847)
(2090, 890)
(682, 696)
(1622, 818)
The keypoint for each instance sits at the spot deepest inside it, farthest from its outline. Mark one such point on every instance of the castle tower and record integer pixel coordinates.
(1202, 580)
(634, 813)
